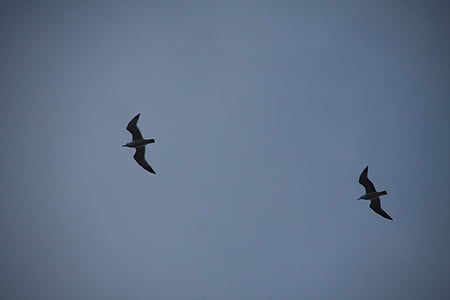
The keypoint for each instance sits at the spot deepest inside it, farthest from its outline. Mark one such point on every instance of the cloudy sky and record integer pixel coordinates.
(264, 115)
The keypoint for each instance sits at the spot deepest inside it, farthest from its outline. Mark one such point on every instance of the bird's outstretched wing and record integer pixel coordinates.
(139, 157)
(376, 206)
(370, 188)
(132, 127)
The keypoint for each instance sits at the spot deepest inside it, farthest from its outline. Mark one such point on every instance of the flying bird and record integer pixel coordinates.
(372, 194)
(139, 143)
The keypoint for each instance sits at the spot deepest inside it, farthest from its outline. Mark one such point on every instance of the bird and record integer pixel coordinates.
(138, 143)
(372, 194)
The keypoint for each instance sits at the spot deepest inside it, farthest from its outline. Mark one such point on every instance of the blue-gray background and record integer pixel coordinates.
(264, 115)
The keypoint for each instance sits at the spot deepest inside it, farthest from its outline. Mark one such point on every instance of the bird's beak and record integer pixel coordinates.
(124, 145)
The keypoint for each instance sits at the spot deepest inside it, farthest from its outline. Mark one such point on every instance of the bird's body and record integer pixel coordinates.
(139, 143)
(372, 194)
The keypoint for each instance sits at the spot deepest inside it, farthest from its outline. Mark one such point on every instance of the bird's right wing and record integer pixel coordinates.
(139, 157)
(132, 127)
(370, 188)
(376, 206)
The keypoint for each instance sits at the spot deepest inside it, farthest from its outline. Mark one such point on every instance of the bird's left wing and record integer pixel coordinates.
(364, 180)
(133, 129)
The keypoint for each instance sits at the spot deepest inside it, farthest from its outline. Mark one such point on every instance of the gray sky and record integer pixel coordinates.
(264, 115)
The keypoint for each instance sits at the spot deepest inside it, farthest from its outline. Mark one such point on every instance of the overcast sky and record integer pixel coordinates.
(264, 115)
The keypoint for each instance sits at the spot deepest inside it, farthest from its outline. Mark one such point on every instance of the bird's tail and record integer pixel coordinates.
(149, 141)
(383, 193)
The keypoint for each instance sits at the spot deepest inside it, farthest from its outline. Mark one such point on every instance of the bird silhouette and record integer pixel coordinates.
(138, 143)
(372, 194)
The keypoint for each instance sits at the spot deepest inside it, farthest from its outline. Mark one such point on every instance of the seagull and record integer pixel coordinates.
(139, 143)
(372, 194)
